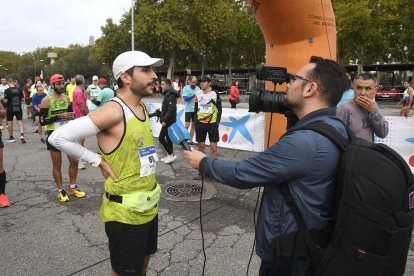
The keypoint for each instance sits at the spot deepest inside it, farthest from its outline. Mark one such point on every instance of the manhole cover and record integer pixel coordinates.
(187, 191)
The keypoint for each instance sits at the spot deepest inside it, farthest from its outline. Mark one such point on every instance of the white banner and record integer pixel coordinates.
(401, 138)
(239, 129)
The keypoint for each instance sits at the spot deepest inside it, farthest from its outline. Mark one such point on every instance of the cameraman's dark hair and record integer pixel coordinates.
(366, 76)
(128, 72)
(331, 78)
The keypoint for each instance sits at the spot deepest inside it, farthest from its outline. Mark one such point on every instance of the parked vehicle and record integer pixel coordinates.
(391, 94)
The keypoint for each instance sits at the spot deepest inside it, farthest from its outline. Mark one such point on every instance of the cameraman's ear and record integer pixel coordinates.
(310, 89)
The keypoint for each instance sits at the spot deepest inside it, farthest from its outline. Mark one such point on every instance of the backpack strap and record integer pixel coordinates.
(314, 251)
(328, 131)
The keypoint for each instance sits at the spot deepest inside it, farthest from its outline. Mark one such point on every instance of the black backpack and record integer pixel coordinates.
(373, 213)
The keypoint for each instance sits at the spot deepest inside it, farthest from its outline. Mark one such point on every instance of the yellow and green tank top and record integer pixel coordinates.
(56, 107)
(207, 110)
(127, 163)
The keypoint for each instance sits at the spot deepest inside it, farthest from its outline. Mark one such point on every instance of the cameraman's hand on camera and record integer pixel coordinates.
(194, 157)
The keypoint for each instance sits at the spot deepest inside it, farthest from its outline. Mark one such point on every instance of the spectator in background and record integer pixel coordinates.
(189, 92)
(105, 93)
(407, 100)
(207, 106)
(54, 114)
(168, 117)
(79, 107)
(36, 100)
(27, 100)
(70, 88)
(13, 98)
(234, 98)
(3, 87)
(93, 89)
(362, 115)
(348, 94)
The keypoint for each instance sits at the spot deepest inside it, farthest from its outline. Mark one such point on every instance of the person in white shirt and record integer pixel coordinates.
(93, 89)
(3, 87)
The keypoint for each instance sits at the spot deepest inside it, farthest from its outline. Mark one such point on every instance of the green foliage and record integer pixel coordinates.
(188, 34)
(220, 34)
(372, 31)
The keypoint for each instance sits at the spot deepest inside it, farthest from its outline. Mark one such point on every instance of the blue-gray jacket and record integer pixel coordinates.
(305, 159)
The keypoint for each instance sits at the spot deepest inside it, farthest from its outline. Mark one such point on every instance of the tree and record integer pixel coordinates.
(374, 31)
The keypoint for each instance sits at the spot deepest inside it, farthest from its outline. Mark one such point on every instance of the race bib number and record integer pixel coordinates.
(148, 157)
(206, 108)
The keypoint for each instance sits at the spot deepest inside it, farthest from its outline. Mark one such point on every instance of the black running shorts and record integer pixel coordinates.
(48, 145)
(1, 141)
(189, 117)
(129, 244)
(10, 114)
(202, 129)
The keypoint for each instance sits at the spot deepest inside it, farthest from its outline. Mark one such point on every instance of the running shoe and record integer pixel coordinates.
(4, 201)
(22, 139)
(63, 196)
(76, 192)
(81, 165)
(42, 140)
(170, 158)
(10, 139)
(35, 132)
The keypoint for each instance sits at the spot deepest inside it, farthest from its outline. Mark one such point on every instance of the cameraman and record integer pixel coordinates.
(304, 159)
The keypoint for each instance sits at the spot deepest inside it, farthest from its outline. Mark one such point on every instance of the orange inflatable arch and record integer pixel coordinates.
(294, 31)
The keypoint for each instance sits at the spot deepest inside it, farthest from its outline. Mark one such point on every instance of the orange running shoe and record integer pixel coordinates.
(4, 201)
(76, 192)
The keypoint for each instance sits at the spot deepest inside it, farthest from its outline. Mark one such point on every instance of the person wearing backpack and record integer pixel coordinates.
(362, 115)
(13, 98)
(306, 160)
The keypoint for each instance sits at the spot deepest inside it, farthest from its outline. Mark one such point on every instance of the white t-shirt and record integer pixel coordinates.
(175, 86)
(2, 89)
(93, 90)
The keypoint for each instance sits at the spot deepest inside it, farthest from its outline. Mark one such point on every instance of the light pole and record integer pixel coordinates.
(132, 25)
(5, 72)
(41, 60)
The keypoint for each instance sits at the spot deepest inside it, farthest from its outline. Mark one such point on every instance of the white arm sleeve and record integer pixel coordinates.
(65, 137)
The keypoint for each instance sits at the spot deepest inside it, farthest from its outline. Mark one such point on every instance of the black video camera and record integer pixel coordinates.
(269, 101)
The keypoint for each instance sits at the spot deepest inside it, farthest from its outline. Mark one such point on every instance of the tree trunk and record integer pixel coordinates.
(230, 64)
(202, 65)
(170, 71)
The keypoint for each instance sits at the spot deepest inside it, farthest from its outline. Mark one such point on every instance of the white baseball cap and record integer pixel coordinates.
(95, 78)
(129, 59)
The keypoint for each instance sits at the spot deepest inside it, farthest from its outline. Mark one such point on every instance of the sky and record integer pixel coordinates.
(26, 25)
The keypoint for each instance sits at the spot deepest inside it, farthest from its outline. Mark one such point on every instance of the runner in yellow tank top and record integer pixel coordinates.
(129, 206)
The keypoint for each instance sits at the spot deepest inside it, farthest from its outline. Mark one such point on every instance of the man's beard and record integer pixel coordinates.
(294, 106)
(140, 90)
(57, 90)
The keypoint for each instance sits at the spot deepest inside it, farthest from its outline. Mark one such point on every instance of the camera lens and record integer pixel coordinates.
(267, 101)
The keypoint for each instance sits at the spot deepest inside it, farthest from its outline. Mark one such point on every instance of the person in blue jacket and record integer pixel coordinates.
(304, 159)
(189, 92)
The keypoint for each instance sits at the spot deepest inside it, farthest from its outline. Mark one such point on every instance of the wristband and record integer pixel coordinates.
(97, 162)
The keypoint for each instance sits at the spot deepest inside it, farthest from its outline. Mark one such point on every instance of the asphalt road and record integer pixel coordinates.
(41, 236)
